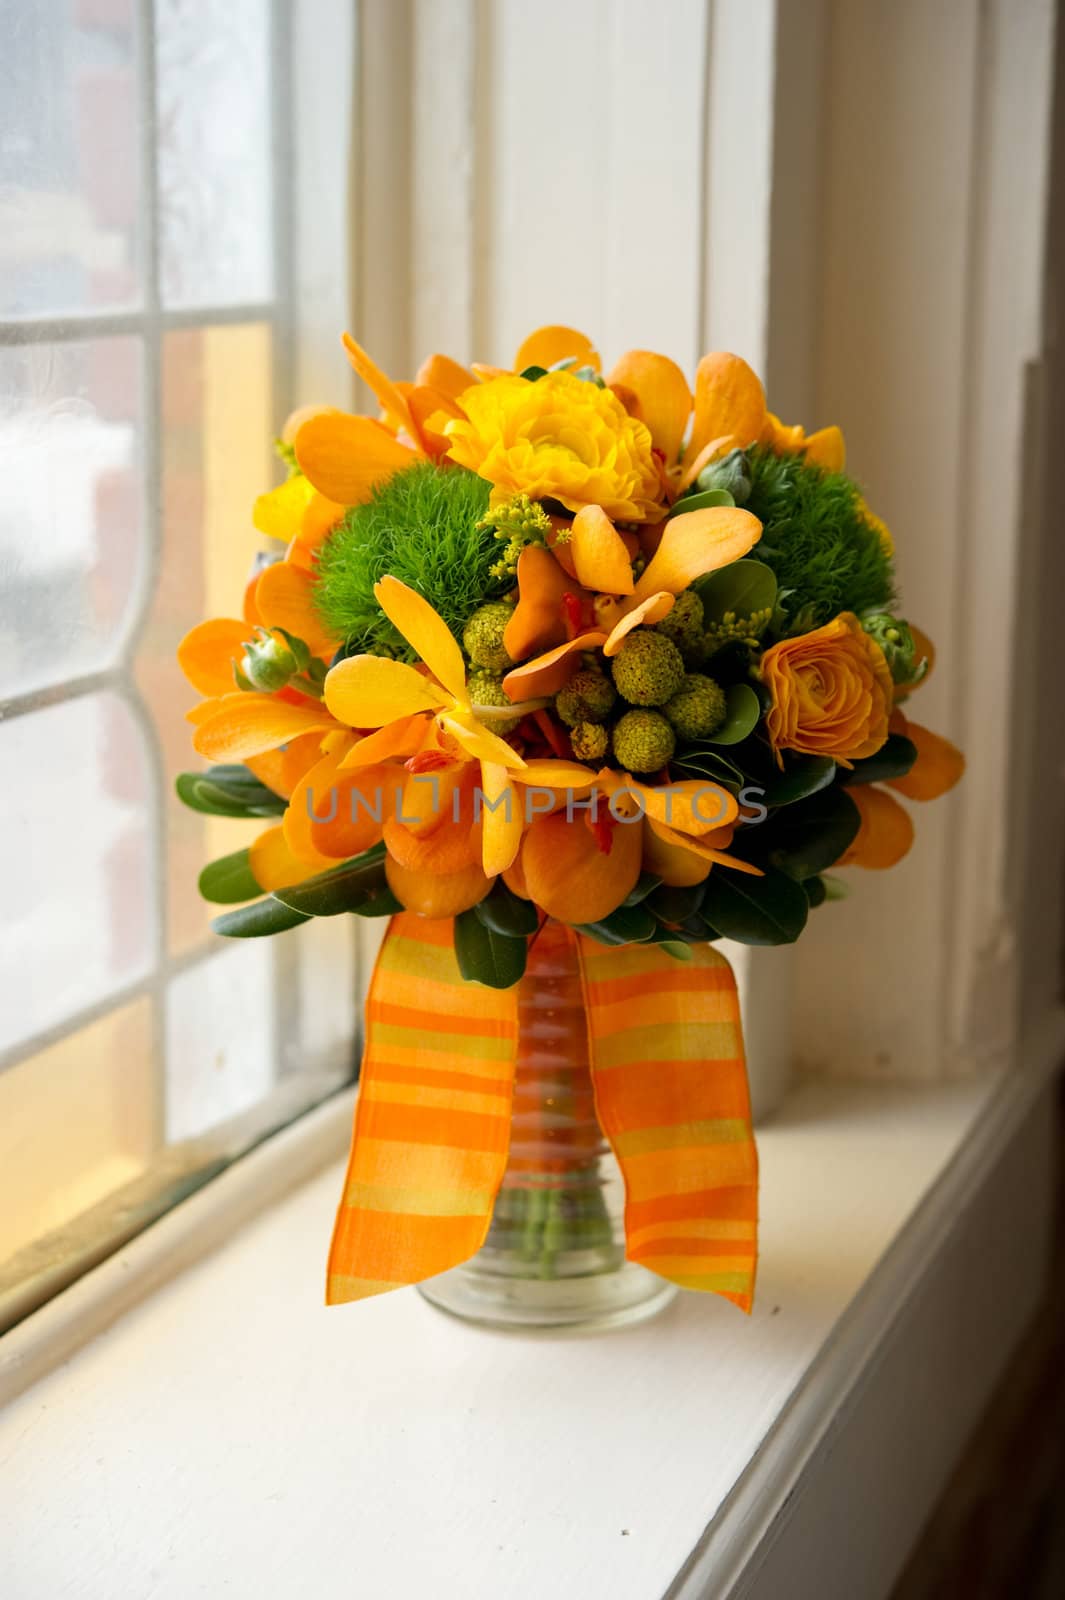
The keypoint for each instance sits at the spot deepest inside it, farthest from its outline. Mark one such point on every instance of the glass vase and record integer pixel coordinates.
(555, 1252)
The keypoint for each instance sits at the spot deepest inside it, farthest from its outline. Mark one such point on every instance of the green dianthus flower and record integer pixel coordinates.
(648, 669)
(486, 689)
(698, 707)
(482, 637)
(587, 697)
(643, 741)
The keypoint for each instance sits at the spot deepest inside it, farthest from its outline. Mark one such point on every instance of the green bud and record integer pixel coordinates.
(893, 636)
(269, 663)
(729, 473)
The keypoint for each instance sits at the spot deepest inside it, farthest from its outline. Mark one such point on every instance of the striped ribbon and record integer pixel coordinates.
(432, 1124)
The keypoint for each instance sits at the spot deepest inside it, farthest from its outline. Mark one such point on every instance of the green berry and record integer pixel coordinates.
(648, 669)
(590, 741)
(486, 689)
(587, 697)
(643, 741)
(684, 624)
(698, 707)
(482, 637)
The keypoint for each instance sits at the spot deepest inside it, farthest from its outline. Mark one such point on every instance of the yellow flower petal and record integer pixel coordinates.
(554, 343)
(208, 653)
(502, 819)
(388, 395)
(664, 397)
(476, 741)
(279, 514)
(697, 542)
(427, 633)
(547, 674)
(345, 457)
(600, 559)
(246, 724)
(729, 399)
(368, 691)
(826, 449)
(284, 598)
(275, 866)
(649, 610)
(553, 774)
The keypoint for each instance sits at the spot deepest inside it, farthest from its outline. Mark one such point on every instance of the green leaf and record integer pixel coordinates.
(645, 883)
(218, 794)
(674, 947)
(806, 838)
(675, 905)
(229, 880)
(801, 777)
(742, 588)
(816, 892)
(485, 956)
(700, 502)
(507, 913)
(532, 373)
(742, 711)
(702, 761)
(258, 920)
(893, 760)
(769, 910)
(626, 925)
(357, 885)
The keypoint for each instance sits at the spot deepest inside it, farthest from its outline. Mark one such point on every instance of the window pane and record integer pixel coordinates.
(70, 513)
(221, 1044)
(55, 1163)
(75, 860)
(213, 94)
(68, 156)
(216, 412)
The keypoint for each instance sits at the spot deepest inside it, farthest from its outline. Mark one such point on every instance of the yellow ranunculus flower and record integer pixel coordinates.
(831, 692)
(560, 438)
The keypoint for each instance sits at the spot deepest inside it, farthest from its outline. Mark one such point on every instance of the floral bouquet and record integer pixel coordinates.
(571, 675)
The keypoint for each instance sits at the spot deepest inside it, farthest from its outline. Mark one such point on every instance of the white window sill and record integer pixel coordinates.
(228, 1435)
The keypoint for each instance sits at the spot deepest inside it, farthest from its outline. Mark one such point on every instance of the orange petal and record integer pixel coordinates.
(445, 375)
(370, 691)
(431, 410)
(389, 397)
(704, 848)
(729, 399)
(886, 833)
(285, 599)
(826, 449)
(710, 452)
(295, 420)
(478, 741)
(210, 651)
(485, 374)
(319, 519)
(282, 769)
(552, 344)
(560, 775)
(938, 767)
(675, 864)
(652, 609)
(434, 894)
(696, 542)
(245, 725)
(274, 865)
(345, 457)
(600, 557)
(502, 819)
(547, 674)
(425, 631)
(538, 620)
(570, 876)
(335, 813)
(398, 739)
(662, 391)
(692, 806)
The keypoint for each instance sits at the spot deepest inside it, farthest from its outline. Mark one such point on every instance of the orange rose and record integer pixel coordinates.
(831, 692)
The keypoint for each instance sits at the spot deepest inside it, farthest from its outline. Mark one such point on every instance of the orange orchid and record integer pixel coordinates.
(607, 595)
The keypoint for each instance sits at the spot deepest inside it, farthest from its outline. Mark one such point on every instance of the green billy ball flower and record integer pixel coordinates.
(588, 697)
(684, 624)
(590, 741)
(893, 636)
(486, 689)
(698, 707)
(482, 637)
(648, 669)
(643, 741)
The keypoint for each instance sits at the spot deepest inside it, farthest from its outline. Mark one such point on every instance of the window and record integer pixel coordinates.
(148, 269)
